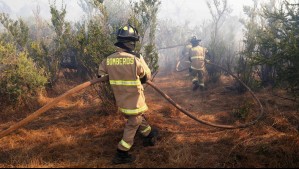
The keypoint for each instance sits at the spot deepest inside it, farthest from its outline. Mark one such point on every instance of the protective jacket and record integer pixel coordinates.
(197, 56)
(125, 71)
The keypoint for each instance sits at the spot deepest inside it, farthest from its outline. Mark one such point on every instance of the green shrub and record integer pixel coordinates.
(19, 75)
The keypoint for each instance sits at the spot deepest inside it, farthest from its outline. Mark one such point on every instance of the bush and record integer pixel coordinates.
(19, 75)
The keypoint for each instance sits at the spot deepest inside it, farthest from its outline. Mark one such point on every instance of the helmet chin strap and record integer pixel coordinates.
(129, 46)
(195, 44)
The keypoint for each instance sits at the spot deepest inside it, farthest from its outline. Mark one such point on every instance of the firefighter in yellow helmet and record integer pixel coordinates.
(127, 72)
(197, 56)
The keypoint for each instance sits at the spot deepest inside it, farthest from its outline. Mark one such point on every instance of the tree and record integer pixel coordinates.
(281, 37)
(272, 44)
(145, 19)
(61, 41)
(245, 68)
(17, 29)
(20, 77)
(219, 11)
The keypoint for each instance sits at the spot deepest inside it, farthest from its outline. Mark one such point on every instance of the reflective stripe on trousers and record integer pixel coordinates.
(134, 111)
(133, 124)
(125, 144)
(146, 130)
(197, 68)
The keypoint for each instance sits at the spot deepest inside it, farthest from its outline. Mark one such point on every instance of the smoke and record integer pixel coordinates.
(24, 9)
(180, 11)
(195, 12)
(178, 20)
(4, 7)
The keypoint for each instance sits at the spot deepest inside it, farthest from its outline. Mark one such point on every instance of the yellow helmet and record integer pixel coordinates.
(127, 33)
(194, 40)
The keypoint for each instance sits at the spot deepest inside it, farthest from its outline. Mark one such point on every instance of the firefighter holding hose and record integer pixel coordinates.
(197, 57)
(127, 72)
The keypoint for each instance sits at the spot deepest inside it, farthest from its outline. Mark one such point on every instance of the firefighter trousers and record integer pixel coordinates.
(198, 76)
(133, 124)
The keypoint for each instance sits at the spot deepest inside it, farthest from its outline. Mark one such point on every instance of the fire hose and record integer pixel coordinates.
(80, 87)
(173, 46)
(258, 118)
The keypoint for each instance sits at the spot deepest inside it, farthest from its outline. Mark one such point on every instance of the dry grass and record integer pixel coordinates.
(78, 134)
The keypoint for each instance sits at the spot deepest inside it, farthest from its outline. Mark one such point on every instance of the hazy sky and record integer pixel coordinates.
(25, 7)
(179, 10)
(197, 10)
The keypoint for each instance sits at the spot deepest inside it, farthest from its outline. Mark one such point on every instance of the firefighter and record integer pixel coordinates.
(127, 72)
(197, 56)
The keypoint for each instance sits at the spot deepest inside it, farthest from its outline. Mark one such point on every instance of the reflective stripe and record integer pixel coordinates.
(197, 68)
(125, 144)
(119, 61)
(125, 82)
(197, 57)
(134, 111)
(131, 30)
(146, 130)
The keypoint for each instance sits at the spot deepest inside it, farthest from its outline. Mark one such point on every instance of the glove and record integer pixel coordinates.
(144, 79)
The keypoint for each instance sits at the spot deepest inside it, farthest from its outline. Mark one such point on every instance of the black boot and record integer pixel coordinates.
(202, 87)
(123, 157)
(195, 86)
(151, 139)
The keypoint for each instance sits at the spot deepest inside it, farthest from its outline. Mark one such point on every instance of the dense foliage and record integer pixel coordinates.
(44, 53)
(271, 46)
(268, 55)
(19, 75)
